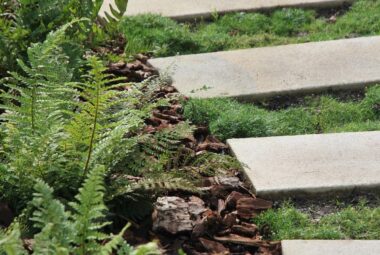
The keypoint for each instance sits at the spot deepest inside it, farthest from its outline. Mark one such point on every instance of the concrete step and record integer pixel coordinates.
(311, 165)
(330, 247)
(191, 9)
(271, 71)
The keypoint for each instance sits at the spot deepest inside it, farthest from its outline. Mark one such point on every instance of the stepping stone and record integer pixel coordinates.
(191, 9)
(330, 247)
(271, 71)
(307, 165)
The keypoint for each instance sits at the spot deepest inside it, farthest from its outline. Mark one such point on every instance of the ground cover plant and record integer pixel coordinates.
(228, 118)
(349, 222)
(165, 37)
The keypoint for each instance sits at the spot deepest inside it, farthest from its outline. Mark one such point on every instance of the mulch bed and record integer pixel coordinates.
(219, 221)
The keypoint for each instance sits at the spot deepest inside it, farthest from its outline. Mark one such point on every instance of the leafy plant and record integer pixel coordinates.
(63, 232)
(56, 129)
(29, 21)
(37, 104)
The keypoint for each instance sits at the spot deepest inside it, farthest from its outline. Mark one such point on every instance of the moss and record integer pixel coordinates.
(228, 118)
(166, 37)
(351, 222)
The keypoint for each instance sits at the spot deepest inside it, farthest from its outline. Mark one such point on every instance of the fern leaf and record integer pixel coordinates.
(51, 218)
(89, 212)
(147, 249)
(10, 242)
(113, 243)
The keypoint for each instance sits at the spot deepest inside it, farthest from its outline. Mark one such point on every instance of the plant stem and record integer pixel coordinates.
(33, 108)
(93, 131)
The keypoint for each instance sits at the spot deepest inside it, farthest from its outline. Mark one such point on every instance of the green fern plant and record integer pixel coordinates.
(79, 232)
(39, 99)
(99, 114)
(37, 104)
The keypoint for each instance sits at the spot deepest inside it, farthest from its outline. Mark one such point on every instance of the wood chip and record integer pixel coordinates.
(213, 247)
(237, 239)
(246, 229)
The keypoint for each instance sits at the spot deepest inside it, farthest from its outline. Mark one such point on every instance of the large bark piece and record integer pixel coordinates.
(175, 215)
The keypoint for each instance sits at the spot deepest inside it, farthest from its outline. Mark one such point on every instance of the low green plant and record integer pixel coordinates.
(158, 34)
(228, 118)
(351, 222)
(78, 232)
(164, 37)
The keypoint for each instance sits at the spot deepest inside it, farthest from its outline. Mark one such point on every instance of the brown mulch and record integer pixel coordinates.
(136, 71)
(219, 221)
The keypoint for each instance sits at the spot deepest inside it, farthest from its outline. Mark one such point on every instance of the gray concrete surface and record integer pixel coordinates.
(271, 71)
(331, 247)
(190, 9)
(307, 165)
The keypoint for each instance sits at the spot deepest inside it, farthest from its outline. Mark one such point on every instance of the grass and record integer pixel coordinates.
(228, 118)
(165, 37)
(352, 222)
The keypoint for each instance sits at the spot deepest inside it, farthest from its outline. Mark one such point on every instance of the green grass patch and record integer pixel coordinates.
(165, 37)
(352, 222)
(228, 118)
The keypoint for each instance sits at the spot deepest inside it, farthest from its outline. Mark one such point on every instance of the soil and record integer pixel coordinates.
(317, 208)
(287, 101)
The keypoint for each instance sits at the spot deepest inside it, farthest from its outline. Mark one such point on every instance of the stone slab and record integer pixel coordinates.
(330, 247)
(271, 71)
(307, 165)
(191, 9)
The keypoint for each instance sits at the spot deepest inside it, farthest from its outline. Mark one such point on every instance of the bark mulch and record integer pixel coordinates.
(219, 221)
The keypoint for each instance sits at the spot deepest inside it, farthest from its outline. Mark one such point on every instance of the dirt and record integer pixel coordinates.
(317, 208)
(287, 101)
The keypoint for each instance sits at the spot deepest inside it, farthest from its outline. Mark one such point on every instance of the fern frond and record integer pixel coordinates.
(117, 12)
(114, 242)
(34, 100)
(158, 184)
(10, 242)
(147, 249)
(46, 243)
(89, 212)
(93, 115)
(51, 218)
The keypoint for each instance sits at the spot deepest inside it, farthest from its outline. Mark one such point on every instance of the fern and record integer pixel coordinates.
(37, 104)
(95, 116)
(65, 233)
(42, 99)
